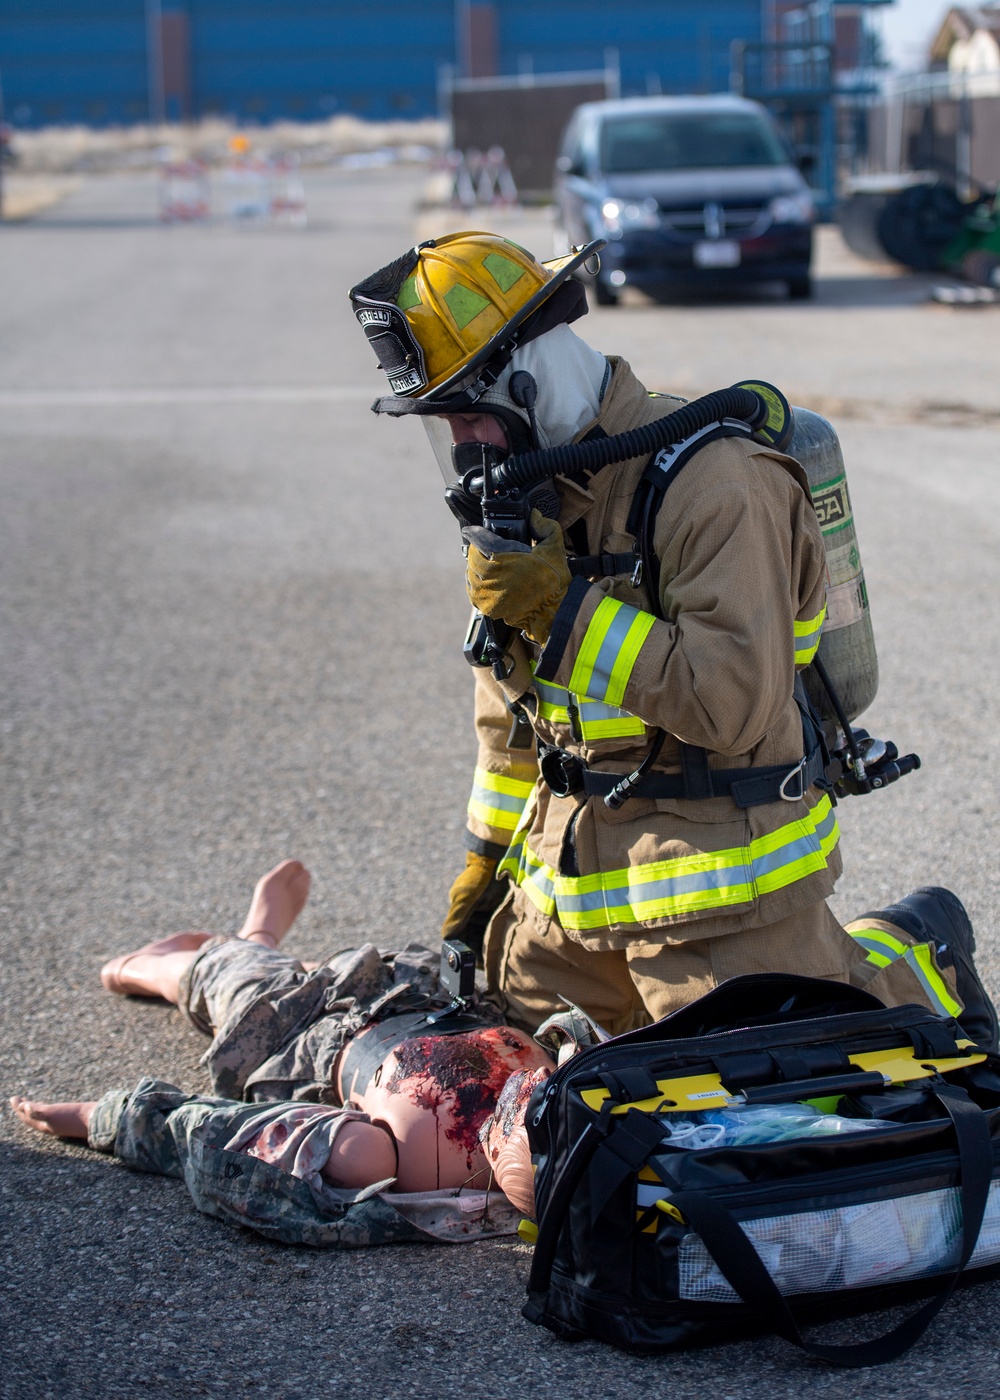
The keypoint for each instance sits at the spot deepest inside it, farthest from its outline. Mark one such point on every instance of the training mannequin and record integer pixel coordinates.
(404, 1103)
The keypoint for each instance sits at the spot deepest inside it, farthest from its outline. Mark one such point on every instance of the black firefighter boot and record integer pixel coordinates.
(935, 915)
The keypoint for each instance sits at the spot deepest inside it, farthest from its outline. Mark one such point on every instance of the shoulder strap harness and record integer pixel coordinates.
(748, 787)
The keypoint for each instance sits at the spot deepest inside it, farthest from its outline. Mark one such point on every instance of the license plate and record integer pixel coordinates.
(720, 252)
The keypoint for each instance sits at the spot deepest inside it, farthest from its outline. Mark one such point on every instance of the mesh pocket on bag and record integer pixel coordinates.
(849, 1247)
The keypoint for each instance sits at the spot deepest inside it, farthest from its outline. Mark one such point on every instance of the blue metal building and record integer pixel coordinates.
(108, 61)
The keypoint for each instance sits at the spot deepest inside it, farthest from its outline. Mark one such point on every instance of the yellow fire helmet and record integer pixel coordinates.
(445, 318)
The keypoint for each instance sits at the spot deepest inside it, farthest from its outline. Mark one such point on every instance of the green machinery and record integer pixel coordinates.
(923, 224)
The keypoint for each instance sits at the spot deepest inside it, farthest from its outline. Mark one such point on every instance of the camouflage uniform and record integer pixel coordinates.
(277, 1029)
(157, 1128)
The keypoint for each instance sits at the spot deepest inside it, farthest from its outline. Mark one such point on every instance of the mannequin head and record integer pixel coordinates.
(505, 1139)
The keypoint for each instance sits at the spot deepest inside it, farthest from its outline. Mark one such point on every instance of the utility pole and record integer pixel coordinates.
(463, 38)
(154, 62)
(824, 29)
(3, 142)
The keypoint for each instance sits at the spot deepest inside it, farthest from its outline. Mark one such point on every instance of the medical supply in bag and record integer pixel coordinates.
(782, 1150)
(738, 1127)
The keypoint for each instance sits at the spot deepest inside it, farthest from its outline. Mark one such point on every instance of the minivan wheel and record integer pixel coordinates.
(800, 288)
(603, 294)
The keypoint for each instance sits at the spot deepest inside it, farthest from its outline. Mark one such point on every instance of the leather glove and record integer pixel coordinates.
(472, 900)
(520, 586)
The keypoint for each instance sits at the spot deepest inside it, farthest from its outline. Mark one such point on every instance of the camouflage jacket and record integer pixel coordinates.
(159, 1129)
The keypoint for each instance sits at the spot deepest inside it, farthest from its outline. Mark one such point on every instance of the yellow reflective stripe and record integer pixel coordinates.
(596, 718)
(500, 782)
(921, 961)
(627, 655)
(807, 637)
(608, 652)
(530, 873)
(593, 728)
(492, 816)
(683, 885)
(548, 690)
(878, 959)
(611, 728)
(497, 800)
(774, 867)
(884, 948)
(552, 700)
(593, 640)
(600, 721)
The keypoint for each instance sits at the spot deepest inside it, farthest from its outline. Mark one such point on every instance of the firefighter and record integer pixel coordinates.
(720, 856)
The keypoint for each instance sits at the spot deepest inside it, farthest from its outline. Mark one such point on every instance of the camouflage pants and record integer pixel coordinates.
(277, 1029)
(158, 1128)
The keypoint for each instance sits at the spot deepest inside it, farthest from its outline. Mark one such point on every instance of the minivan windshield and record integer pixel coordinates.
(688, 141)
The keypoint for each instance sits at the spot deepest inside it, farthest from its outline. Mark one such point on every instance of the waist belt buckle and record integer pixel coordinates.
(798, 771)
(562, 771)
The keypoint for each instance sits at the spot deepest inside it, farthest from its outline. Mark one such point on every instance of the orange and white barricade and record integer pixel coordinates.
(184, 191)
(288, 195)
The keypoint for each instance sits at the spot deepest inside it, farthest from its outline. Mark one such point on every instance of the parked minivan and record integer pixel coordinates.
(688, 191)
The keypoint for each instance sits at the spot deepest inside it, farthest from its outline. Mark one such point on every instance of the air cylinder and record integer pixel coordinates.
(847, 645)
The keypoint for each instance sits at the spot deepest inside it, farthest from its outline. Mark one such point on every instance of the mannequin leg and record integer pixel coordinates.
(69, 1120)
(156, 969)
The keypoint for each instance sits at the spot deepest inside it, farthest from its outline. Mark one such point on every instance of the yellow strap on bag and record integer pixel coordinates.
(692, 1093)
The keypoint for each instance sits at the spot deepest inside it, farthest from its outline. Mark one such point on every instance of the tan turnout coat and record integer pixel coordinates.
(742, 587)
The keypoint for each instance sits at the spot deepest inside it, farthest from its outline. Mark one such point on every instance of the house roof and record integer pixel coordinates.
(961, 23)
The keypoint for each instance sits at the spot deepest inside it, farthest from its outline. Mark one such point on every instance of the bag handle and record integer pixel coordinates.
(743, 1269)
(552, 1221)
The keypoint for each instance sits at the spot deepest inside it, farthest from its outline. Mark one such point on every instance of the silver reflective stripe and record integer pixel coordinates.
(635, 891)
(607, 656)
(502, 801)
(777, 859)
(552, 694)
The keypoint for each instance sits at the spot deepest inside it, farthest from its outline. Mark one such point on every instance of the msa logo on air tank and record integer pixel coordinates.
(832, 504)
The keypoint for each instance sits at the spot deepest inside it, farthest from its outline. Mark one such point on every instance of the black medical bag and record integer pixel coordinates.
(651, 1246)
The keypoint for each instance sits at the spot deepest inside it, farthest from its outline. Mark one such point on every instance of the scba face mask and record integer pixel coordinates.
(506, 431)
(491, 435)
(549, 392)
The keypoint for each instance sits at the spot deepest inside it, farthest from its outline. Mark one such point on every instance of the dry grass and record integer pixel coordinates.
(23, 196)
(57, 150)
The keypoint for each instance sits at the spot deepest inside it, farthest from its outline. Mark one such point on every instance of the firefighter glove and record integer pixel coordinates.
(520, 586)
(472, 900)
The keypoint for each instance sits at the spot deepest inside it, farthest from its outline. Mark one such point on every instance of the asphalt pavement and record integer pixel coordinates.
(230, 632)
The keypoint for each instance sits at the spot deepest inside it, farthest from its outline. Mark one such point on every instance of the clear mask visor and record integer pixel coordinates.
(443, 433)
(439, 435)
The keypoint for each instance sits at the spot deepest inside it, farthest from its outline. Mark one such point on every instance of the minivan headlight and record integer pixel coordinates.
(619, 215)
(792, 209)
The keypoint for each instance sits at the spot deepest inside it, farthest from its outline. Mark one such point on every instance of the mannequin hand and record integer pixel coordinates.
(521, 587)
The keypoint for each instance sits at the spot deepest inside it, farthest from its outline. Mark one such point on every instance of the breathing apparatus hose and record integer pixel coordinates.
(526, 469)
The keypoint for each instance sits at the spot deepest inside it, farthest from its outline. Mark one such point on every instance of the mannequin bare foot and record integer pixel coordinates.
(278, 899)
(129, 975)
(69, 1120)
